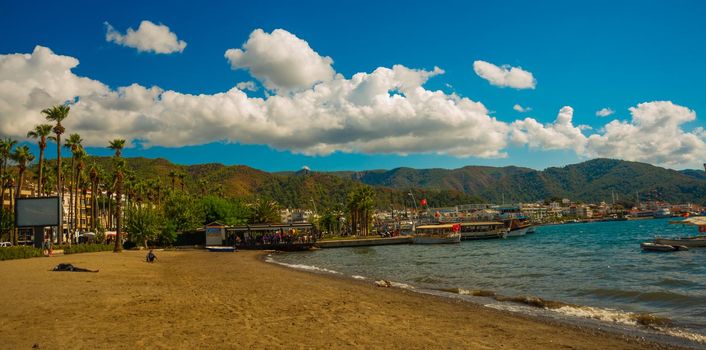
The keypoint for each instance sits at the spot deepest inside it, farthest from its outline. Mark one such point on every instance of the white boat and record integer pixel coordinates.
(657, 247)
(482, 230)
(437, 234)
(663, 213)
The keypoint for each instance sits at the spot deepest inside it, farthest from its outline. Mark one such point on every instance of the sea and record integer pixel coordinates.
(584, 273)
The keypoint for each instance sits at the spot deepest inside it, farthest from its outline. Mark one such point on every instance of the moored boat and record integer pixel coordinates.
(482, 230)
(696, 241)
(437, 234)
(223, 249)
(657, 247)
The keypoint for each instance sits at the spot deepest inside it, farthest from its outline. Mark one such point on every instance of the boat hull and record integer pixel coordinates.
(437, 239)
(518, 232)
(482, 235)
(687, 242)
(220, 249)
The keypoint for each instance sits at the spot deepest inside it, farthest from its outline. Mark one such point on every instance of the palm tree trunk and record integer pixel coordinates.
(59, 189)
(118, 212)
(41, 165)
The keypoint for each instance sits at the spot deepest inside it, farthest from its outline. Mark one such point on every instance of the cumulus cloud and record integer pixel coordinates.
(521, 109)
(387, 110)
(281, 61)
(561, 134)
(654, 134)
(148, 37)
(604, 112)
(504, 76)
(246, 85)
(384, 111)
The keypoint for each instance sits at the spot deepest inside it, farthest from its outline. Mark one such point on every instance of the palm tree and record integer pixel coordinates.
(5, 150)
(181, 180)
(58, 114)
(80, 155)
(172, 176)
(264, 212)
(22, 156)
(40, 132)
(360, 205)
(117, 145)
(73, 143)
(94, 175)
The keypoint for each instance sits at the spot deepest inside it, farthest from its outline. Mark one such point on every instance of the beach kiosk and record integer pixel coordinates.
(215, 233)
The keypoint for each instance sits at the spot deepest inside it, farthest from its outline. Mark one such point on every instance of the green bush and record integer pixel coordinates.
(19, 252)
(87, 248)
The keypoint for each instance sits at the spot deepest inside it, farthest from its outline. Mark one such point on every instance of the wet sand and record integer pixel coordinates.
(196, 299)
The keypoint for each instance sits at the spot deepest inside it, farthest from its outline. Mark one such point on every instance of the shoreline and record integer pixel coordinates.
(196, 299)
(631, 333)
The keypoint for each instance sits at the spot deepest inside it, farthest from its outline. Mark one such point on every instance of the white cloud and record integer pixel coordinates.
(385, 111)
(521, 109)
(246, 85)
(604, 112)
(505, 75)
(561, 134)
(149, 37)
(654, 135)
(281, 61)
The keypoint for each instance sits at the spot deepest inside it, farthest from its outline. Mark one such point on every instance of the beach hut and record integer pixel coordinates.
(215, 233)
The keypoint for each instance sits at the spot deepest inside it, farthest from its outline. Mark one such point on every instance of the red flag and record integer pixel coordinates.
(423, 202)
(456, 227)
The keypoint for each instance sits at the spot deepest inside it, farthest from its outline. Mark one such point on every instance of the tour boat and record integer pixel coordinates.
(437, 234)
(689, 241)
(482, 230)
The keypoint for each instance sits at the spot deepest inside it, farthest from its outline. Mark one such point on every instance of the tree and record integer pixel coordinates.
(144, 224)
(181, 180)
(264, 211)
(6, 146)
(182, 212)
(40, 132)
(360, 205)
(172, 176)
(94, 173)
(226, 211)
(22, 156)
(58, 114)
(117, 146)
(73, 143)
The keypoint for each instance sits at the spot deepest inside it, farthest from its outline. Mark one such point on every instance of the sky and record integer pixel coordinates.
(356, 85)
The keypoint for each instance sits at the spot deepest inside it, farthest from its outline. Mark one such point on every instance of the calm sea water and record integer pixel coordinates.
(598, 265)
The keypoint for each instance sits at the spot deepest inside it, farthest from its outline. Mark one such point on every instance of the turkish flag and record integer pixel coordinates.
(456, 227)
(423, 202)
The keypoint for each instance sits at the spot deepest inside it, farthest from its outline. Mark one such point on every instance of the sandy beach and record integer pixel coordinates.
(196, 299)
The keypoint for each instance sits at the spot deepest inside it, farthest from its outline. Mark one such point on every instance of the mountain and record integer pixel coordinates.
(591, 181)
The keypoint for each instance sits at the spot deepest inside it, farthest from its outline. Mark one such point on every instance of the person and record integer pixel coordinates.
(46, 246)
(151, 257)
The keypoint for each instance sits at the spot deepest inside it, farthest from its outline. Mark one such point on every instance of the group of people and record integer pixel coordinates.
(276, 239)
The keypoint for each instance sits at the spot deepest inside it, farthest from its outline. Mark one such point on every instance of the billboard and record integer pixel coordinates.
(37, 211)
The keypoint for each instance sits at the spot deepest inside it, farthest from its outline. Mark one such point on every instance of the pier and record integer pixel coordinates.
(364, 242)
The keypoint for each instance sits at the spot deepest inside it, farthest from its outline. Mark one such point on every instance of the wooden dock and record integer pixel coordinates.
(364, 242)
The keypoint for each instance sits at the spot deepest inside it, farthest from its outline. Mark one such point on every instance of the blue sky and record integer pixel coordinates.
(586, 55)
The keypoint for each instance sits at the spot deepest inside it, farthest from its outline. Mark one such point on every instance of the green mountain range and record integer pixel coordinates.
(591, 181)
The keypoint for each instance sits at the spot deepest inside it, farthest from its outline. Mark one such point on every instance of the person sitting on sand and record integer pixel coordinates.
(151, 257)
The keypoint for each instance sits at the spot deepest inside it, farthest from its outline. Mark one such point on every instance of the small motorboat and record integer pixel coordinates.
(220, 249)
(656, 247)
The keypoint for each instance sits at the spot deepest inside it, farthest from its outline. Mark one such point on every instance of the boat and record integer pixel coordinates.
(694, 241)
(689, 241)
(517, 228)
(482, 230)
(220, 249)
(657, 247)
(663, 213)
(437, 234)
